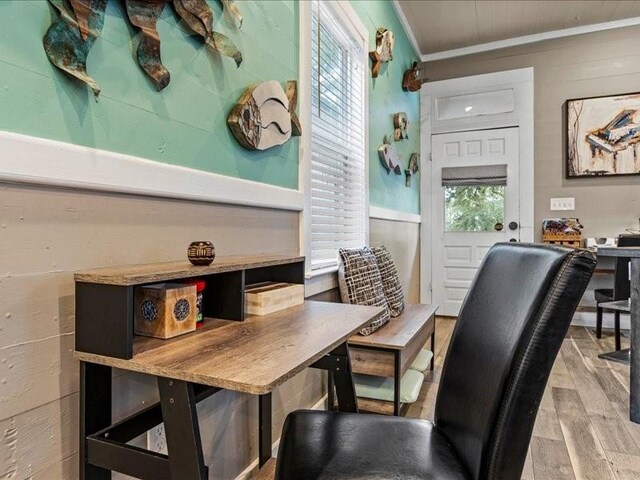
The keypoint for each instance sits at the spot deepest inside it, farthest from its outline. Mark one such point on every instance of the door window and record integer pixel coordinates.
(473, 208)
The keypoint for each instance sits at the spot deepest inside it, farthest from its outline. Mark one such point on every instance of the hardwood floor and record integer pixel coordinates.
(582, 431)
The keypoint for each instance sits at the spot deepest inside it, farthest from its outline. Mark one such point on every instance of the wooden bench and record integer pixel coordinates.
(390, 351)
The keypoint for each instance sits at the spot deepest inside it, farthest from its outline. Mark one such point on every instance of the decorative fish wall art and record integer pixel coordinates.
(411, 81)
(70, 37)
(414, 162)
(400, 126)
(385, 40)
(389, 157)
(265, 115)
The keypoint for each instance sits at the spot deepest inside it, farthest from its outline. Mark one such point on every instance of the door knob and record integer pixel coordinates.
(513, 240)
(513, 225)
(498, 227)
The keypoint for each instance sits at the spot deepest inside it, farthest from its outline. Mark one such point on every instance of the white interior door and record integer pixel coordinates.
(475, 202)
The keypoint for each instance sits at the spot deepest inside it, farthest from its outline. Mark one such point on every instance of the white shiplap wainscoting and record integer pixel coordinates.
(39, 161)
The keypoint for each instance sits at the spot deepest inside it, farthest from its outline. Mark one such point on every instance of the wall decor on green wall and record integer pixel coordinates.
(389, 157)
(199, 17)
(384, 50)
(144, 14)
(411, 81)
(70, 37)
(400, 126)
(265, 115)
(414, 162)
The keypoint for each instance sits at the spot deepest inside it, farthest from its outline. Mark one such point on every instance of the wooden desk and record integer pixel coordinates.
(634, 254)
(253, 356)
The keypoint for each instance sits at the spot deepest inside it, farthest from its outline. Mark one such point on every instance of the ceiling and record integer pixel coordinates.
(449, 24)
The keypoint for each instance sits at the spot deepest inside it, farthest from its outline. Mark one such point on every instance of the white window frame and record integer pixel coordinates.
(344, 11)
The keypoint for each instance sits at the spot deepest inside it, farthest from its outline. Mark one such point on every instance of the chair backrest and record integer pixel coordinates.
(510, 328)
(621, 283)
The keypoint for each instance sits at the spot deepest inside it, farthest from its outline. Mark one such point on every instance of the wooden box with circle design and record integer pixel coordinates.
(165, 310)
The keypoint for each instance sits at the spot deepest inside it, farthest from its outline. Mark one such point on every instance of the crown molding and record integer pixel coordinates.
(526, 39)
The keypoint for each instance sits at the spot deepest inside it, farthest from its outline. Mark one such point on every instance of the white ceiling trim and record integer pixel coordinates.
(536, 37)
(407, 28)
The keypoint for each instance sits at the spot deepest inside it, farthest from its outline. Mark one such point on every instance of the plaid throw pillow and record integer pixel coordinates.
(360, 284)
(390, 280)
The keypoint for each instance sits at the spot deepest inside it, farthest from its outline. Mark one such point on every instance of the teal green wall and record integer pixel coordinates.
(185, 124)
(386, 97)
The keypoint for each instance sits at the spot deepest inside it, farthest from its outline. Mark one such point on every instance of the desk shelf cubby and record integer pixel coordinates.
(105, 297)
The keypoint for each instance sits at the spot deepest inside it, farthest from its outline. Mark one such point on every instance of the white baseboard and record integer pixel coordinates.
(245, 474)
(588, 319)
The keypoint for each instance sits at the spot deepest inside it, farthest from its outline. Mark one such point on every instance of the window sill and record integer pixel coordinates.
(323, 271)
(321, 281)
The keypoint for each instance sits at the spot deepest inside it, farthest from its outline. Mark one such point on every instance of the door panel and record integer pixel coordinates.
(466, 210)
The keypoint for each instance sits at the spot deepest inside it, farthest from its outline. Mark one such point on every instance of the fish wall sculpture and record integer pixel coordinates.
(400, 126)
(79, 23)
(385, 40)
(265, 116)
(389, 157)
(414, 163)
(411, 81)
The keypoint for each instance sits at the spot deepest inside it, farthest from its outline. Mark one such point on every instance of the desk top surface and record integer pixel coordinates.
(254, 356)
(397, 334)
(128, 275)
(628, 252)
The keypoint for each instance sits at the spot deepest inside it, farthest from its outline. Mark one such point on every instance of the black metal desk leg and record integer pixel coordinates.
(264, 434)
(345, 390)
(396, 383)
(331, 391)
(433, 348)
(95, 413)
(180, 417)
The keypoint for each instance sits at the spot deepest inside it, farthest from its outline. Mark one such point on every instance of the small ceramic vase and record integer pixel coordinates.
(201, 253)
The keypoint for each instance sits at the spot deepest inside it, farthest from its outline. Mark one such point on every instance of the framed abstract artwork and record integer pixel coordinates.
(603, 136)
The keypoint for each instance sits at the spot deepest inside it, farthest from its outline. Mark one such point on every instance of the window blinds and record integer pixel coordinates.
(338, 188)
(477, 175)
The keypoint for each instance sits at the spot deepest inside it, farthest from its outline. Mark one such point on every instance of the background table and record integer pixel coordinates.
(634, 254)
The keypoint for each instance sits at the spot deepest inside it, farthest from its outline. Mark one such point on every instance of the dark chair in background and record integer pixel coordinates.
(621, 287)
(504, 344)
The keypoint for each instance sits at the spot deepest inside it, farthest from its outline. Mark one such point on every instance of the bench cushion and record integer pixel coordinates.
(361, 284)
(422, 361)
(390, 280)
(381, 388)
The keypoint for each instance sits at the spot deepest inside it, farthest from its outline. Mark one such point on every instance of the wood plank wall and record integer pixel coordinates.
(47, 234)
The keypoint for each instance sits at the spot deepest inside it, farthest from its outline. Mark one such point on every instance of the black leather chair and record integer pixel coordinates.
(504, 344)
(621, 288)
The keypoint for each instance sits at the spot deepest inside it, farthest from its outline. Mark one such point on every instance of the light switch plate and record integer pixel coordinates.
(563, 203)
